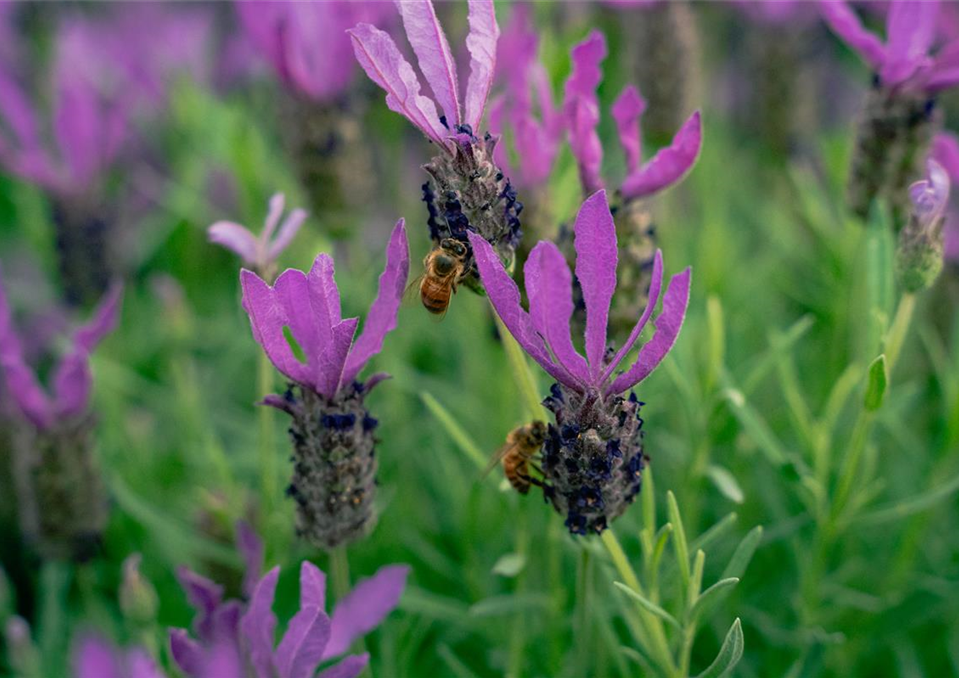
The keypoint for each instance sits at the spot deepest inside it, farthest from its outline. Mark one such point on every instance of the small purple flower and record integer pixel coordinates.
(919, 254)
(306, 42)
(594, 453)
(96, 657)
(260, 252)
(535, 141)
(72, 379)
(332, 431)
(907, 58)
(945, 150)
(234, 638)
(385, 65)
(581, 109)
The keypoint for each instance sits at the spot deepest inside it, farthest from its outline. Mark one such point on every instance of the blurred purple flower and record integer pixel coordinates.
(72, 379)
(535, 141)
(929, 196)
(306, 43)
(96, 657)
(260, 252)
(945, 150)
(544, 332)
(234, 638)
(581, 109)
(385, 65)
(309, 305)
(906, 59)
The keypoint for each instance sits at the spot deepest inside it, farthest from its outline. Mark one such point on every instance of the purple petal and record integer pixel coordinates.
(495, 123)
(204, 597)
(549, 286)
(595, 243)
(350, 667)
(224, 660)
(655, 286)
(910, 29)
(275, 211)
(945, 150)
(103, 321)
(141, 665)
(432, 50)
(504, 296)
(301, 648)
(78, 130)
(268, 318)
(670, 164)
(17, 112)
(187, 653)
(383, 63)
(581, 108)
(288, 230)
(381, 319)
(365, 607)
(259, 624)
(307, 316)
(250, 547)
(234, 237)
(668, 324)
(22, 383)
(335, 357)
(930, 196)
(325, 296)
(481, 43)
(945, 70)
(627, 109)
(95, 657)
(844, 23)
(312, 586)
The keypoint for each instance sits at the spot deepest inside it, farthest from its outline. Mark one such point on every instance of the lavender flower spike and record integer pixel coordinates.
(96, 657)
(467, 192)
(594, 455)
(62, 510)
(235, 638)
(333, 479)
(920, 251)
(260, 252)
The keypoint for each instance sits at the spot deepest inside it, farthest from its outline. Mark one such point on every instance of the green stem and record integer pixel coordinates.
(56, 579)
(339, 572)
(525, 379)
(267, 448)
(518, 636)
(583, 641)
(655, 635)
(896, 335)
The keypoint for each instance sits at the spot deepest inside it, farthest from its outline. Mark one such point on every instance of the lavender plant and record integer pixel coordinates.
(334, 472)
(466, 192)
(61, 502)
(593, 457)
(898, 120)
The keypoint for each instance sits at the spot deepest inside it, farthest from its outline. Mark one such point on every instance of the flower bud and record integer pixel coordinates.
(138, 598)
(920, 249)
(22, 653)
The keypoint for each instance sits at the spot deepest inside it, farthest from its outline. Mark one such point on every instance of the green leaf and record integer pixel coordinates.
(712, 596)
(916, 504)
(648, 605)
(509, 565)
(717, 340)
(457, 667)
(729, 654)
(756, 427)
(743, 554)
(726, 483)
(679, 540)
(876, 386)
(661, 538)
(455, 431)
(509, 604)
(709, 537)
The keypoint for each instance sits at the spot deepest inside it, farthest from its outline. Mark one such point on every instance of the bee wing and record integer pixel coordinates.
(412, 292)
(497, 457)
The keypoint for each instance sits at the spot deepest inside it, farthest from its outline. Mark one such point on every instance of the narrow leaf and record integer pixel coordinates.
(916, 504)
(648, 605)
(712, 597)
(726, 483)
(743, 554)
(710, 536)
(679, 539)
(729, 654)
(509, 564)
(455, 431)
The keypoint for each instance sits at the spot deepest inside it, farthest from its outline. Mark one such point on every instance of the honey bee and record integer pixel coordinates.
(445, 266)
(522, 445)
